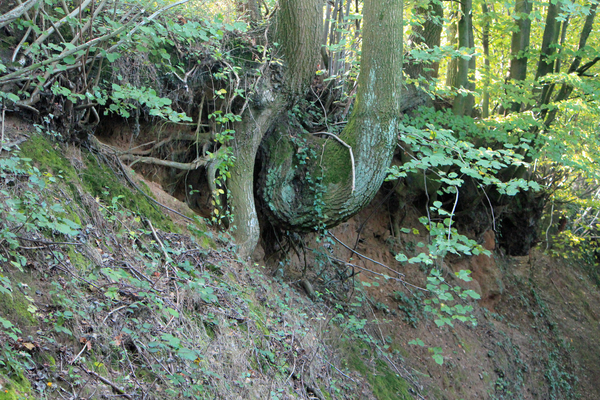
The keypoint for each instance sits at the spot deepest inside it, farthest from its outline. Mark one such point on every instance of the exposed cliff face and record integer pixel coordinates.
(536, 319)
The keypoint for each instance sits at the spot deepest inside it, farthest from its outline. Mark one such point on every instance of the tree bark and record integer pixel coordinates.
(16, 12)
(566, 89)
(463, 102)
(549, 46)
(322, 193)
(297, 31)
(485, 43)
(426, 35)
(519, 46)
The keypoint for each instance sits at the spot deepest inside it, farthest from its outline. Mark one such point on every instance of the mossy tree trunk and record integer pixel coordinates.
(297, 31)
(302, 192)
(324, 191)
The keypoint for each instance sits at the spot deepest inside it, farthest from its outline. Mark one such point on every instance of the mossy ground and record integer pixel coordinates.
(386, 384)
(95, 177)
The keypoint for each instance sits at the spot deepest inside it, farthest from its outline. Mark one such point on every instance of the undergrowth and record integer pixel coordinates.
(101, 297)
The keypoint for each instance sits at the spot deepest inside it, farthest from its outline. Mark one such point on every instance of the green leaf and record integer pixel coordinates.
(438, 358)
(464, 275)
(471, 293)
(417, 342)
(69, 60)
(187, 354)
(112, 57)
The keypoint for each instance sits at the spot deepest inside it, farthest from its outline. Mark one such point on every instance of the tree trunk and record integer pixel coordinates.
(297, 31)
(566, 89)
(549, 45)
(519, 46)
(463, 102)
(426, 35)
(323, 191)
(452, 69)
(485, 43)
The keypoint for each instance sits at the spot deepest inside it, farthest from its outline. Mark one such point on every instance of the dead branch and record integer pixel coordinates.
(199, 162)
(55, 26)
(107, 382)
(16, 12)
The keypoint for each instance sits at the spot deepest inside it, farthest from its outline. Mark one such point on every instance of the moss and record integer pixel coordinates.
(388, 385)
(49, 359)
(47, 157)
(384, 382)
(100, 181)
(97, 178)
(14, 308)
(78, 261)
(17, 388)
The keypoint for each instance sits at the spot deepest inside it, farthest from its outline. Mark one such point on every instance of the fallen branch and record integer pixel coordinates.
(16, 12)
(106, 381)
(199, 162)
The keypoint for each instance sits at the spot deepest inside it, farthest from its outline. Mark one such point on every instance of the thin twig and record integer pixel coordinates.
(85, 345)
(2, 135)
(47, 242)
(363, 256)
(107, 382)
(112, 312)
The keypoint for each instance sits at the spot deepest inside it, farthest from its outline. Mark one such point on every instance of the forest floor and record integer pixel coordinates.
(142, 303)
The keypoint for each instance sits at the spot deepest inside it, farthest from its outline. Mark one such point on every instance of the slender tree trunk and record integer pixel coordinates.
(452, 69)
(549, 47)
(426, 35)
(519, 47)
(485, 43)
(566, 89)
(463, 103)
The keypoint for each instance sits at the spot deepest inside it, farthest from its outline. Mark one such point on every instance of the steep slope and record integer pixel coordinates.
(111, 294)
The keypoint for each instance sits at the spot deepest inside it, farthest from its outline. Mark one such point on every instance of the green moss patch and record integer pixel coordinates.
(47, 157)
(100, 181)
(14, 389)
(15, 309)
(384, 382)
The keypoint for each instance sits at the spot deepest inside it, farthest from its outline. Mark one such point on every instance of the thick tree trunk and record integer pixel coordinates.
(249, 134)
(326, 191)
(297, 31)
